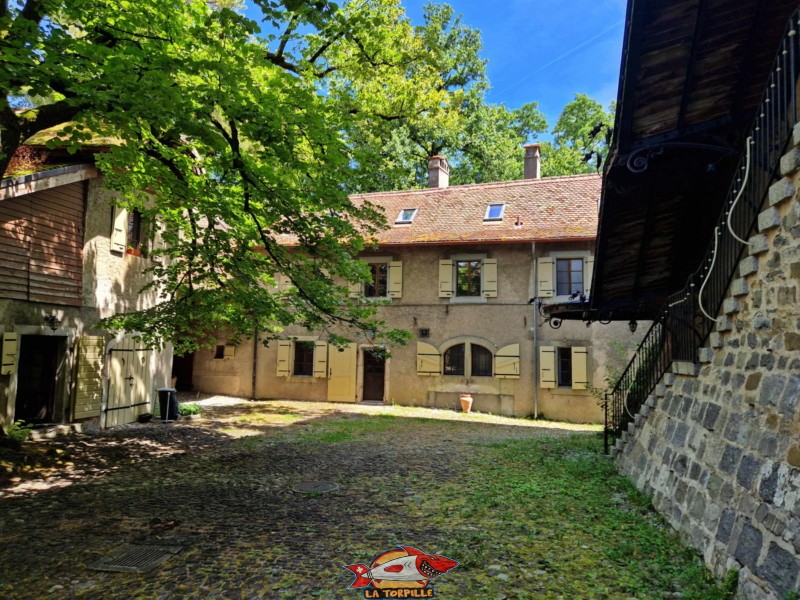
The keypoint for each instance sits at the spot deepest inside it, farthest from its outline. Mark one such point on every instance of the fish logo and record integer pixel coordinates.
(404, 572)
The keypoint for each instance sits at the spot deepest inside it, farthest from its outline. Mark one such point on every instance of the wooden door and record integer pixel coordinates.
(129, 382)
(374, 376)
(342, 374)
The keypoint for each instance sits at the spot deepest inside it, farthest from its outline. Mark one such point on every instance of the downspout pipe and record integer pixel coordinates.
(535, 321)
(255, 362)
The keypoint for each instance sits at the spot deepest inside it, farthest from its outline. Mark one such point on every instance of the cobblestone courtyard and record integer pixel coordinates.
(222, 488)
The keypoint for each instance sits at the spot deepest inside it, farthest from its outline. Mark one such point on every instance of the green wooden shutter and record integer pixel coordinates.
(545, 271)
(395, 279)
(9, 358)
(506, 362)
(547, 367)
(446, 289)
(489, 277)
(428, 360)
(580, 368)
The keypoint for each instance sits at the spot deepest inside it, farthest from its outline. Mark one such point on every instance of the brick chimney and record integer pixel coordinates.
(532, 167)
(438, 172)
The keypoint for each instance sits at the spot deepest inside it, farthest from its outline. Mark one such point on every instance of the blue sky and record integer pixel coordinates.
(545, 50)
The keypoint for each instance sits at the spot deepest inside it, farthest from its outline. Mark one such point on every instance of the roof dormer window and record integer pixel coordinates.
(406, 216)
(494, 212)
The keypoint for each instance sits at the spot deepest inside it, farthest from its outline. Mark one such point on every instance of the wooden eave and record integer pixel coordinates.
(693, 73)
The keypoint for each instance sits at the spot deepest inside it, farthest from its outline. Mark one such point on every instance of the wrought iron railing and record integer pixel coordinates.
(690, 315)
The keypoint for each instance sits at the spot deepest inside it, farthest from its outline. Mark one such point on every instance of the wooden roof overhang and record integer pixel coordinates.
(693, 73)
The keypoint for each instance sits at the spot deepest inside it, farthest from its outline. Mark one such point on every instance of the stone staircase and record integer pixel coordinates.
(738, 292)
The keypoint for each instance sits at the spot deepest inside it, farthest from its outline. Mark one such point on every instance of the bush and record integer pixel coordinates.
(19, 431)
(187, 410)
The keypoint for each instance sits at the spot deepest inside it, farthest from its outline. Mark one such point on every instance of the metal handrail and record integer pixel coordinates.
(680, 329)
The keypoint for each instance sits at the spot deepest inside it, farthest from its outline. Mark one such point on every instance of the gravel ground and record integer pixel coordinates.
(221, 487)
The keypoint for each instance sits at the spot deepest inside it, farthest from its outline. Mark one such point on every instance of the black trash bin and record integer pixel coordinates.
(168, 403)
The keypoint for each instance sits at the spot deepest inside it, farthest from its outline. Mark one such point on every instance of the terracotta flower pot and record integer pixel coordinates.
(466, 402)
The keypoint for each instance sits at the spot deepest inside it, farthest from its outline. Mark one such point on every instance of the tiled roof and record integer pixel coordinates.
(552, 208)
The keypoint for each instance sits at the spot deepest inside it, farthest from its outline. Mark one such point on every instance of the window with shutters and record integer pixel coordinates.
(468, 278)
(565, 274)
(303, 358)
(564, 367)
(468, 359)
(385, 279)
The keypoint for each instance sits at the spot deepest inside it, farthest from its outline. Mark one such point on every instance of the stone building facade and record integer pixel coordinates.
(67, 260)
(516, 239)
(717, 445)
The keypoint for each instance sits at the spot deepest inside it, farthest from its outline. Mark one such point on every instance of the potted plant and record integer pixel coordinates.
(466, 398)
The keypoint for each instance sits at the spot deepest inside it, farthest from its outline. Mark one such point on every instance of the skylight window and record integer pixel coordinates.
(406, 216)
(494, 212)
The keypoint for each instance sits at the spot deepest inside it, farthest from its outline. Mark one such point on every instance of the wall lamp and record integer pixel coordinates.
(52, 321)
(632, 325)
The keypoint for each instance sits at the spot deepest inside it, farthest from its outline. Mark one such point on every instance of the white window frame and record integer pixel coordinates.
(489, 219)
(401, 221)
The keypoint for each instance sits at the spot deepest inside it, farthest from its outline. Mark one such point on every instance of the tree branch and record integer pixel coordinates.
(34, 10)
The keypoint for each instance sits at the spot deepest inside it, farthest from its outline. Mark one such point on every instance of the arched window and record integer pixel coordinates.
(454, 360)
(481, 361)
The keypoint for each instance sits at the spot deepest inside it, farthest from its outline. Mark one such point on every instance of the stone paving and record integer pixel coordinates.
(221, 488)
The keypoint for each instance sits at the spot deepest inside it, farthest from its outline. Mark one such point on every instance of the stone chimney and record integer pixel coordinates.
(532, 167)
(438, 172)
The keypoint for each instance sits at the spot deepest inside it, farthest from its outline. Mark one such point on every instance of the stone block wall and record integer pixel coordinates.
(718, 447)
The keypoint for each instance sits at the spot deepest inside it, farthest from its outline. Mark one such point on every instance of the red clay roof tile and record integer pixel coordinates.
(548, 209)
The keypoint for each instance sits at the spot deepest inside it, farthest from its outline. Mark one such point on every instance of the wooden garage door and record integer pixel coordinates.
(130, 385)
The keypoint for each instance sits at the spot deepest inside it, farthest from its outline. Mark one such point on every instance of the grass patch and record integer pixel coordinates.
(558, 521)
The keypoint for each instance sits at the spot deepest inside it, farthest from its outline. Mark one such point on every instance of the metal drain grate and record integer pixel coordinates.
(135, 559)
(315, 487)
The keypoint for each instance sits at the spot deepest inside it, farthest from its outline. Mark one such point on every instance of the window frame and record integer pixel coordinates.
(455, 259)
(466, 346)
(490, 363)
(374, 266)
(471, 275)
(406, 221)
(564, 367)
(569, 271)
(308, 364)
(447, 353)
(487, 218)
(135, 242)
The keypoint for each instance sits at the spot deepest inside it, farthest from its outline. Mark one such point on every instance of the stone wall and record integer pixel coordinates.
(717, 446)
